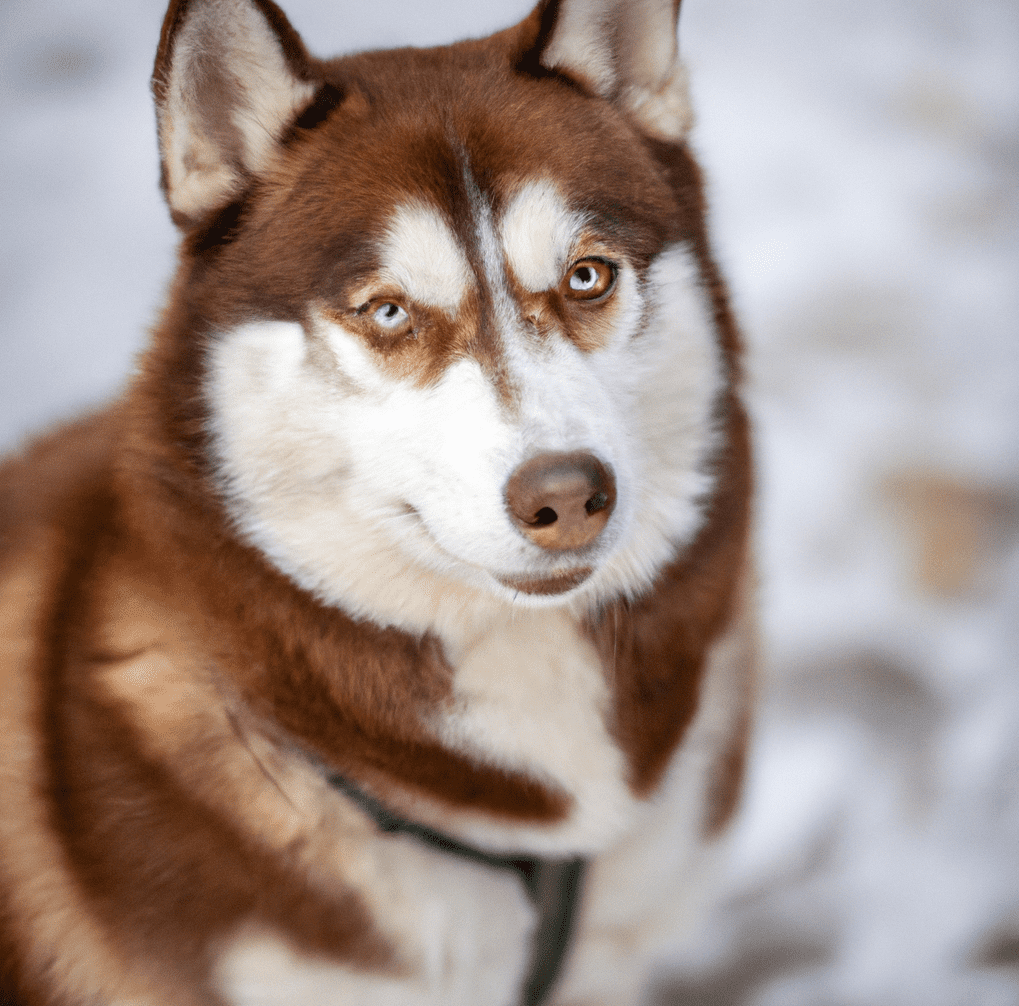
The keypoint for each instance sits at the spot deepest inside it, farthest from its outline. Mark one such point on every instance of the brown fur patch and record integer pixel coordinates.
(54, 499)
(419, 352)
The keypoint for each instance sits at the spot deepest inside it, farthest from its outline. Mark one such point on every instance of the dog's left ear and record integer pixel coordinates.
(230, 77)
(621, 50)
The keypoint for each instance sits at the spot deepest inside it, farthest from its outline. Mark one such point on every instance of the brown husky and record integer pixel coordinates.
(388, 641)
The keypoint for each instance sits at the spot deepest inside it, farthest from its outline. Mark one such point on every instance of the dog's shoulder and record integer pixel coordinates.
(51, 479)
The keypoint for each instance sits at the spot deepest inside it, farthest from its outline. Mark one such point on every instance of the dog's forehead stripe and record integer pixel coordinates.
(539, 232)
(422, 256)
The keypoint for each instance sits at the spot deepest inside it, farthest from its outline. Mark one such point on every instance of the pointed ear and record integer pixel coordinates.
(230, 77)
(624, 51)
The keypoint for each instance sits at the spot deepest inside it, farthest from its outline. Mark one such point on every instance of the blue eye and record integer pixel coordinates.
(390, 316)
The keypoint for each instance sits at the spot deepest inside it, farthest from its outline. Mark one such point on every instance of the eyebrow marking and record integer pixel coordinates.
(422, 257)
(539, 232)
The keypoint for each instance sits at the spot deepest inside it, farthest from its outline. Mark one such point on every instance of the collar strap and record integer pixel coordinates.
(553, 885)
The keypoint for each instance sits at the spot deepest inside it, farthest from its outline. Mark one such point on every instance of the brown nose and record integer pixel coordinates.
(561, 500)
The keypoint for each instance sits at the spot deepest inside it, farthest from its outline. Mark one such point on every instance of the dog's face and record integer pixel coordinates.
(457, 342)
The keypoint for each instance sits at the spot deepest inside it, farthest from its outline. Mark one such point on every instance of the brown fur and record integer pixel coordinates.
(145, 789)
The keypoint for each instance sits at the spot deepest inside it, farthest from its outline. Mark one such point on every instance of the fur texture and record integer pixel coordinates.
(408, 283)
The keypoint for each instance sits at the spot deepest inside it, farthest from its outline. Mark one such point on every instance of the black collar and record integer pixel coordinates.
(554, 885)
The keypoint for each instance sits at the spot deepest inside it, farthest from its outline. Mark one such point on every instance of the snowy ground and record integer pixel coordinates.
(864, 161)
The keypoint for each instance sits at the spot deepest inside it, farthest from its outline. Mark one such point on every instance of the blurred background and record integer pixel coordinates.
(864, 180)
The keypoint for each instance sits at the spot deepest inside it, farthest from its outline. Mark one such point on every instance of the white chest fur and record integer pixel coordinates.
(530, 693)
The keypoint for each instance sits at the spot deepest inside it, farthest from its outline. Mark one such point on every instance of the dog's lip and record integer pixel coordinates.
(548, 586)
(558, 583)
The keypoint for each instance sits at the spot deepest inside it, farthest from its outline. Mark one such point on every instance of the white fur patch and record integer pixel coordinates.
(272, 96)
(539, 233)
(422, 257)
(530, 694)
(197, 178)
(663, 111)
(673, 375)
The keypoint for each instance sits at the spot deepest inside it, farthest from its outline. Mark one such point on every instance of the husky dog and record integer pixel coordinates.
(390, 640)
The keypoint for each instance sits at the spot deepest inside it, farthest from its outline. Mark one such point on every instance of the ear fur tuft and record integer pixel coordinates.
(230, 77)
(624, 51)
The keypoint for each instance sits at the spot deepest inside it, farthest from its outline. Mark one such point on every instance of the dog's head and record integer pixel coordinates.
(457, 343)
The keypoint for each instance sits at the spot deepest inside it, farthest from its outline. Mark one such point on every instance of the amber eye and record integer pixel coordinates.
(589, 279)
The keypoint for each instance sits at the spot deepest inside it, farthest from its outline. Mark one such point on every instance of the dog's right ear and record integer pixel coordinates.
(230, 77)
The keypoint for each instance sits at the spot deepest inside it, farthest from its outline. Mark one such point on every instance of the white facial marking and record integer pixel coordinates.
(422, 257)
(539, 233)
(673, 375)
(384, 498)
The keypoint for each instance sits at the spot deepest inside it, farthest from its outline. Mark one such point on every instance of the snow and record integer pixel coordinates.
(863, 162)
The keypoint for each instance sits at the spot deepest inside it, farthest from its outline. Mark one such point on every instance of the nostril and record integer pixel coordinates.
(545, 516)
(561, 500)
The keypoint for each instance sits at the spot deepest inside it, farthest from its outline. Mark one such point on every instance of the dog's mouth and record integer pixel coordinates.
(538, 586)
(559, 583)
